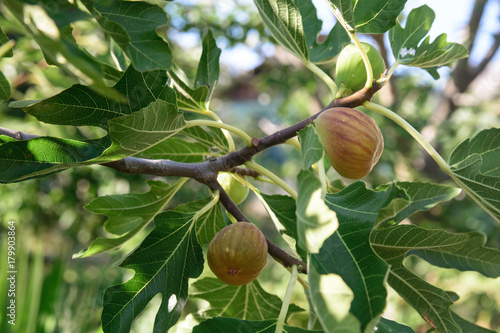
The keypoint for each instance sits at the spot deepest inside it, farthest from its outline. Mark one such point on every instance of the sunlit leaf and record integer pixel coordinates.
(207, 73)
(315, 220)
(283, 20)
(249, 301)
(409, 49)
(474, 164)
(189, 99)
(163, 263)
(121, 209)
(332, 299)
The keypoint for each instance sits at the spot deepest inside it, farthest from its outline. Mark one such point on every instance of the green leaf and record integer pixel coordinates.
(348, 252)
(469, 327)
(389, 326)
(207, 73)
(143, 129)
(284, 22)
(334, 42)
(81, 106)
(208, 224)
(418, 196)
(163, 263)
(60, 50)
(393, 244)
(221, 324)
(249, 301)
(332, 299)
(189, 99)
(312, 150)
(41, 156)
(369, 16)
(409, 50)
(4, 88)
(191, 145)
(471, 256)
(284, 207)
(139, 208)
(133, 26)
(6, 49)
(315, 221)
(474, 165)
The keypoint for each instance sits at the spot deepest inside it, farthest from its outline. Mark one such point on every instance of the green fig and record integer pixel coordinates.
(351, 139)
(237, 253)
(237, 191)
(351, 68)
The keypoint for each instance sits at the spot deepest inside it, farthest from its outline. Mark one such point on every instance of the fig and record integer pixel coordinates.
(235, 190)
(237, 253)
(351, 139)
(351, 69)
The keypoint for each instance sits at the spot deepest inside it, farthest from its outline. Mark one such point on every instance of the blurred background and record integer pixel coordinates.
(261, 89)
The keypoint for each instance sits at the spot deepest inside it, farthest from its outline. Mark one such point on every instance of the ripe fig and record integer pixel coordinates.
(234, 189)
(351, 139)
(351, 69)
(237, 253)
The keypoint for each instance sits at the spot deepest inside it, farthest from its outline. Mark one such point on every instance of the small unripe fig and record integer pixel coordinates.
(351, 68)
(237, 253)
(235, 190)
(351, 139)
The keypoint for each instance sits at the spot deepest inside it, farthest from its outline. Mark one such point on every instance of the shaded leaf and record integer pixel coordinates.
(133, 26)
(4, 88)
(389, 326)
(469, 327)
(81, 106)
(393, 244)
(249, 302)
(221, 324)
(208, 224)
(122, 209)
(474, 165)
(283, 20)
(189, 99)
(3, 41)
(163, 263)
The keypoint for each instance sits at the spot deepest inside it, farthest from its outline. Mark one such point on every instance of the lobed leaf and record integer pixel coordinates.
(312, 150)
(189, 99)
(408, 49)
(249, 301)
(163, 263)
(128, 214)
(474, 165)
(133, 26)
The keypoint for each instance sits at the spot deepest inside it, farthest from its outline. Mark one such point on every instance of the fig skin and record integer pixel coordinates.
(237, 253)
(351, 68)
(237, 191)
(351, 139)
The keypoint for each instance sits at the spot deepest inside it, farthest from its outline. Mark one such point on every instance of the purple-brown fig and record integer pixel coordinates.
(351, 139)
(237, 253)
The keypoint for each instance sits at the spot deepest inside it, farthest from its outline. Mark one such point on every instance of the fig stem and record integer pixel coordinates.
(323, 76)
(287, 299)
(368, 65)
(208, 206)
(277, 180)
(219, 124)
(413, 132)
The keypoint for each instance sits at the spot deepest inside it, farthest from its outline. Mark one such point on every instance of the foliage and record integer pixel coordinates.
(348, 245)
